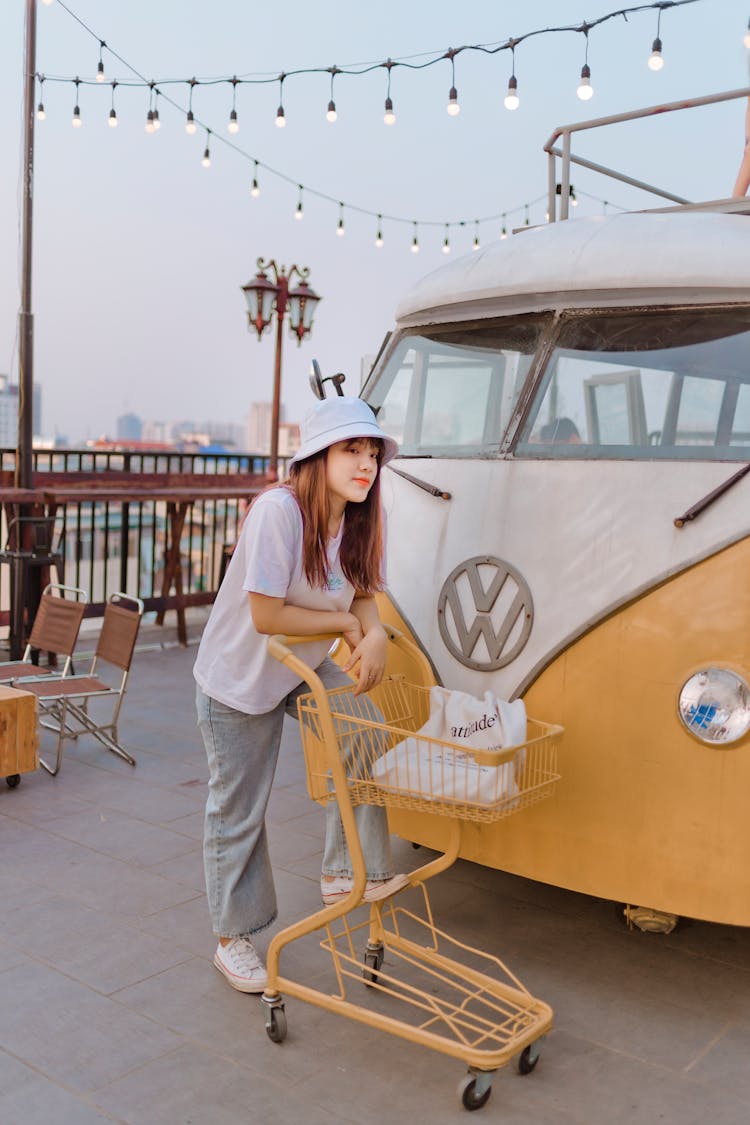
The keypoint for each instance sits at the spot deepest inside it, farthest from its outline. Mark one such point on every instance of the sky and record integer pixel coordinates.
(140, 252)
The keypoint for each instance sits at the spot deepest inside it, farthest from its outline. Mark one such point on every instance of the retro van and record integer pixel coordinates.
(569, 522)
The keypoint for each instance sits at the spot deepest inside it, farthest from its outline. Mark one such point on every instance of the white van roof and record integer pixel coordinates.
(612, 260)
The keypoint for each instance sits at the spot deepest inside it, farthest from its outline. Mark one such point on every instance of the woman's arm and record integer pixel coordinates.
(273, 615)
(371, 650)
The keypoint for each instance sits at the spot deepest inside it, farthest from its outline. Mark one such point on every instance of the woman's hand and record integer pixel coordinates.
(370, 653)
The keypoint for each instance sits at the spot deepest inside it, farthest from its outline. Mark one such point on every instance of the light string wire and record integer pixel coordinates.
(355, 69)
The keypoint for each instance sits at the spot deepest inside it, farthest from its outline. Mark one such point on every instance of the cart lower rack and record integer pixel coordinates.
(419, 983)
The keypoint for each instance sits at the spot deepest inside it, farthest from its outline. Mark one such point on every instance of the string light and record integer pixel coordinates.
(475, 244)
(280, 118)
(190, 126)
(511, 98)
(112, 120)
(746, 36)
(299, 213)
(206, 159)
(100, 66)
(340, 230)
(331, 114)
(452, 107)
(234, 125)
(47, 3)
(255, 187)
(504, 232)
(585, 89)
(156, 121)
(379, 235)
(40, 113)
(655, 60)
(389, 117)
(76, 122)
(446, 242)
(415, 241)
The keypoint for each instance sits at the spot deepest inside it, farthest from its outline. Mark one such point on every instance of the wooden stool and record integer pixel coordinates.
(18, 734)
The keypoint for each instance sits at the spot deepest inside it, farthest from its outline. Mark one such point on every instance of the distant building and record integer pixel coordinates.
(259, 428)
(9, 412)
(129, 427)
(289, 438)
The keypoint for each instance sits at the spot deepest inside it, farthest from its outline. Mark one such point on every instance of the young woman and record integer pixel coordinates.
(309, 560)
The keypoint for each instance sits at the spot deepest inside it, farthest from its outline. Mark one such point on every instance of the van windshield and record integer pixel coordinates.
(450, 392)
(646, 385)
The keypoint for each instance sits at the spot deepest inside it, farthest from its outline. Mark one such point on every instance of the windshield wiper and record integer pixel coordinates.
(421, 484)
(708, 500)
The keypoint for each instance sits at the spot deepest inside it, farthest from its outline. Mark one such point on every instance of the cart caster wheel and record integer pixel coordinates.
(528, 1059)
(13, 780)
(276, 1024)
(373, 960)
(472, 1097)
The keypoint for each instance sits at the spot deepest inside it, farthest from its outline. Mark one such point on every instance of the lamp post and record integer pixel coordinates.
(265, 297)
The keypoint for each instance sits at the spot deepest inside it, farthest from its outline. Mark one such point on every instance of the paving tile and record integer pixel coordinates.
(100, 951)
(220, 1092)
(105, 830)
(186, 868)
(725, 1063)
(72, 1034)
(29, 1098)
(187, 925)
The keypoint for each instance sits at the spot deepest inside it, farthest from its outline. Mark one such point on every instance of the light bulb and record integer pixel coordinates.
(40, 114)
(156, 121)
(280, 118)
(100, 71)
(379, 240)
(655, 60)
(389, 117)
(149, 126)
(475, 245)
(299, 213)
(585, 89)
(504, 233)
(190, 126)
(453, 107)
(234, 125)
(331, 114)
(46, 3)
(112, 119)
(255, 190)
(446, 247)
(511, 99)
(415, 245)
(746, 36)
(206, 160)
(340, 230)
(573, 200)
(76, 122)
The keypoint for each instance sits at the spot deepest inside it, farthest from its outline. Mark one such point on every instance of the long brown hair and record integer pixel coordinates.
(361, 553)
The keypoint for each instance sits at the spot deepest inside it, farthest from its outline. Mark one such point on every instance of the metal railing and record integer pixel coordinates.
(109, 544)
(567, 157)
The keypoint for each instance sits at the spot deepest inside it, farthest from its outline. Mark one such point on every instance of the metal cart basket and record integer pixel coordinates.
(447, 995)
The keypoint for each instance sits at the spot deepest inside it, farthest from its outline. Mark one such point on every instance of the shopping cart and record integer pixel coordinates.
(449, 996)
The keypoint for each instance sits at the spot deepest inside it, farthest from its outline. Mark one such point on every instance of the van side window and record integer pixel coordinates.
(648, 385)
(451, 393)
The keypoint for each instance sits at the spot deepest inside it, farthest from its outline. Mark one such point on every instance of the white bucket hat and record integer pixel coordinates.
(340, 419)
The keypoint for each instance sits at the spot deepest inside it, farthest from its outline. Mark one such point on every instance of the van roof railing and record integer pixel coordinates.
(559, 186)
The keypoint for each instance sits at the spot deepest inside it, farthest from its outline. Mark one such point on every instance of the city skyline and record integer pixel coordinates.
(140, 252)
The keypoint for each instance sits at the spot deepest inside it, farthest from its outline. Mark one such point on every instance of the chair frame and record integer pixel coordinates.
(55, 630)
(66, 700)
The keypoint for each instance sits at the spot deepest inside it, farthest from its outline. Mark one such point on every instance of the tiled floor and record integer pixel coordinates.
(110, 1009)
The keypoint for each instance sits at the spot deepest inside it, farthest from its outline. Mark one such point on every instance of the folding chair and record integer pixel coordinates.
(66, 700)
(55, 630)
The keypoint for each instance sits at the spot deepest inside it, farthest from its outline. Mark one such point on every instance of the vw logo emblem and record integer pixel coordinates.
(485, 613)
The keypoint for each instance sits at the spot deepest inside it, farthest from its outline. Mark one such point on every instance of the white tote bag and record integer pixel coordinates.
(419, 766)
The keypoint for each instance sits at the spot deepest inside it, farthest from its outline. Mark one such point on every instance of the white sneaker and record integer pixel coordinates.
(336, 889)
(241, 965)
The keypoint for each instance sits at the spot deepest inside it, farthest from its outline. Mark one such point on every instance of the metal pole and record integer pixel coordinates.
(273, 461)
(24, 453)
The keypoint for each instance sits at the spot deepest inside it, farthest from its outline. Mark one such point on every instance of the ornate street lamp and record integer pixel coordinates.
(268, 296)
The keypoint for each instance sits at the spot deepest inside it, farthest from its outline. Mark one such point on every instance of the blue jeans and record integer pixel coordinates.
(242, 752)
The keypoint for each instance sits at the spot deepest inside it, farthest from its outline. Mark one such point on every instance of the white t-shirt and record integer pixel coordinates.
(233, 663)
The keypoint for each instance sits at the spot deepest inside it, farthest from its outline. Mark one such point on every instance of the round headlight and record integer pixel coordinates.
(715, 706)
